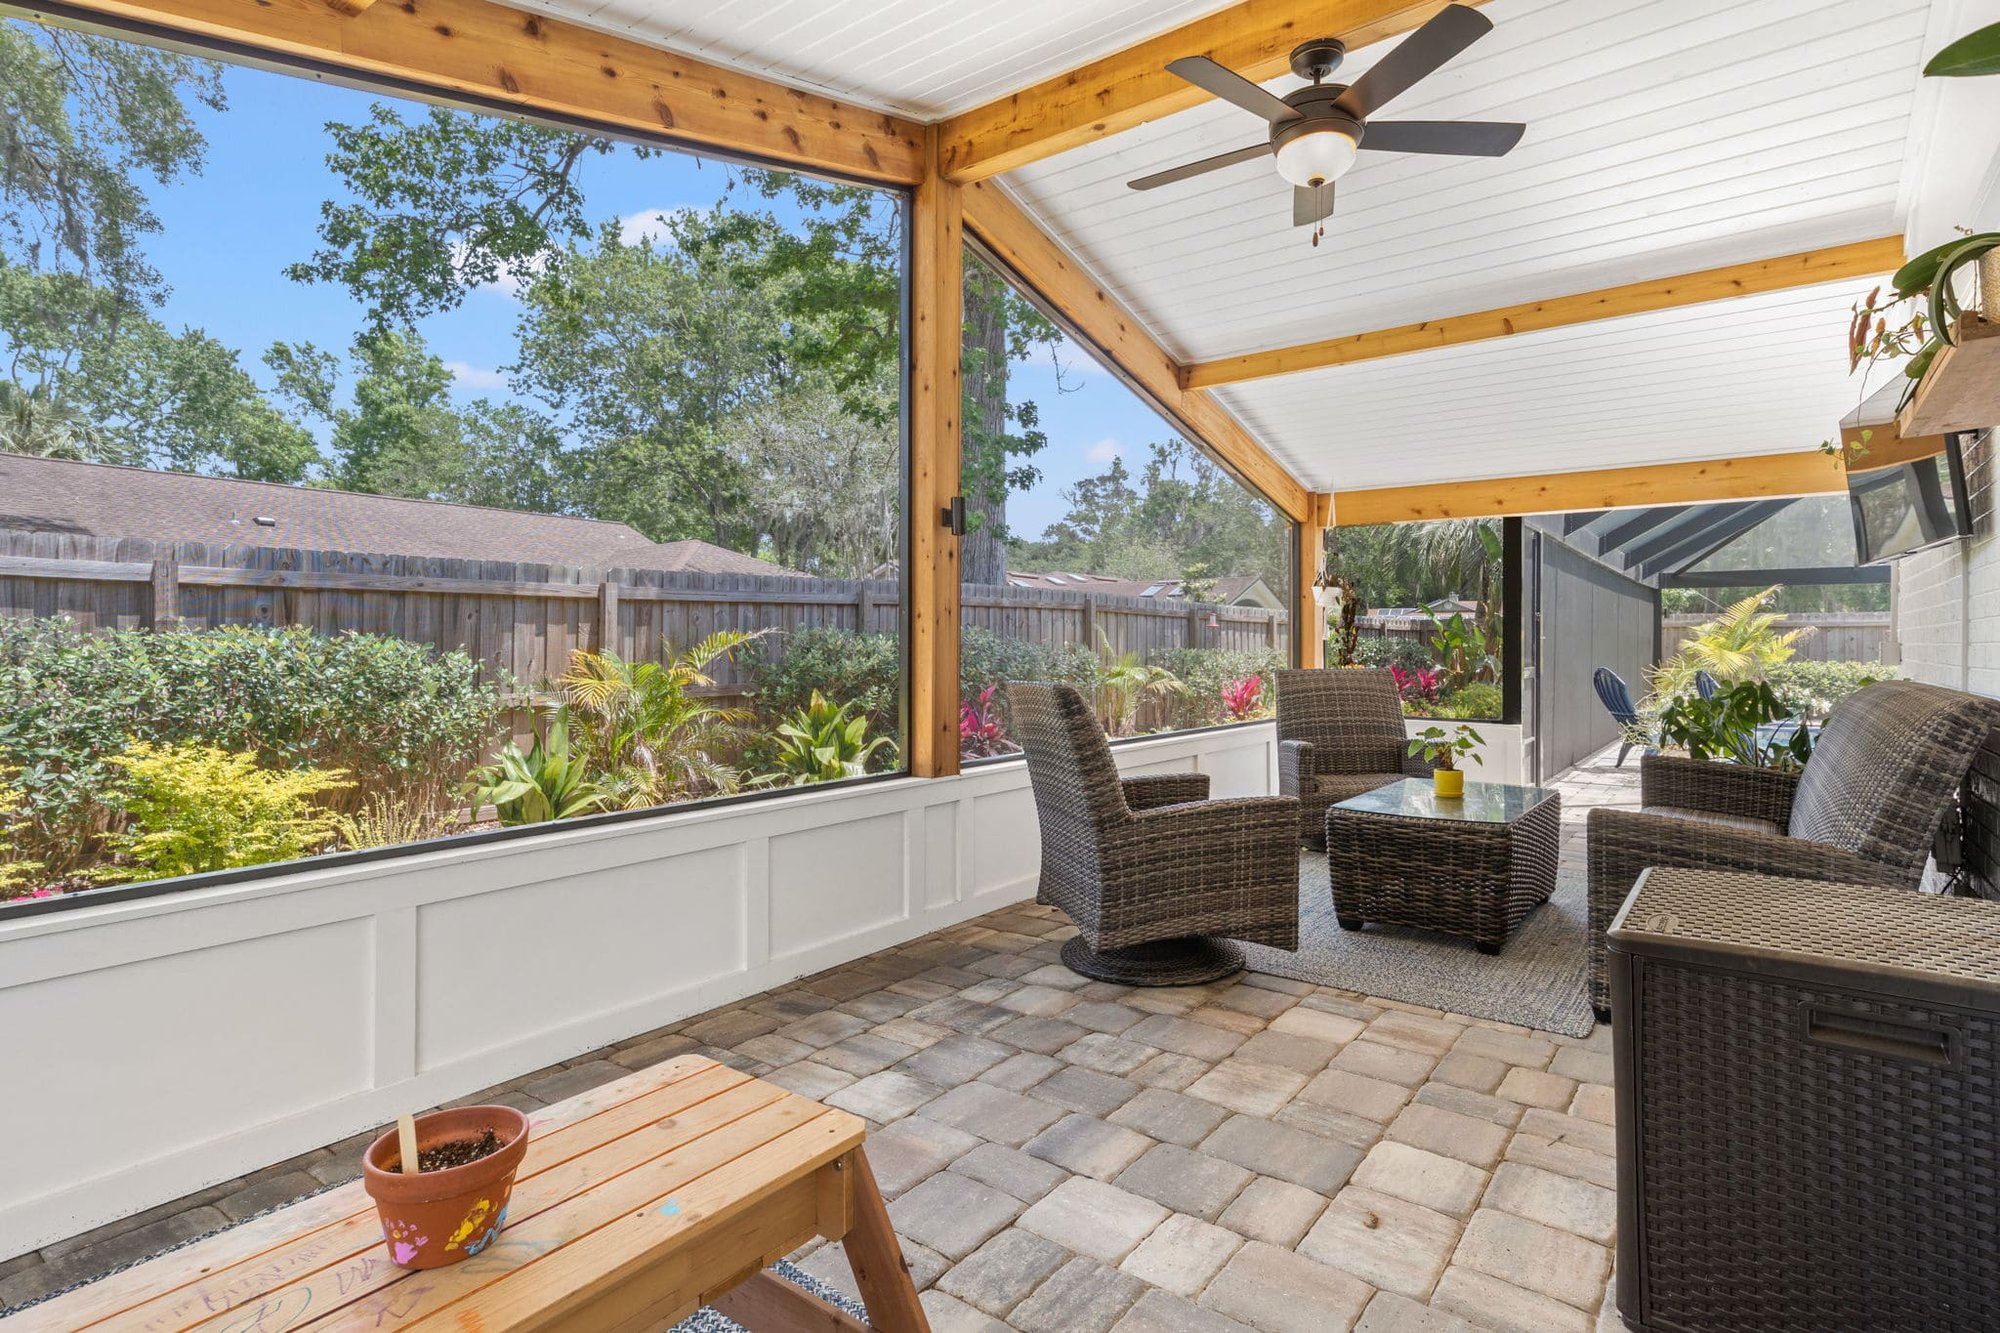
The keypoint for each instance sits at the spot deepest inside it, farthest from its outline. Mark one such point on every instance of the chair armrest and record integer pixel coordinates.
(1295, 766)
(1623, 842)
(1275, 816)
(1716, 788)
(1146, 793)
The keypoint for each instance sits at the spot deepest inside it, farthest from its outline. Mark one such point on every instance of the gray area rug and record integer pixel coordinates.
(706, 1320)
(1540, 980)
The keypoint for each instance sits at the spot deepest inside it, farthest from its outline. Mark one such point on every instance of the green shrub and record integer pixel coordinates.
(193, 808)
(403, 719)
(861, 670)
(1811, 689)
(1477, 700)
(1408, 651)
(822, 742)
(13, 872)
(1207, 672)
(550, 781)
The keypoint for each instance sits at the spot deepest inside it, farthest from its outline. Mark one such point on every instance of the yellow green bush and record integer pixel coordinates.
(192, 808)
(13, 873)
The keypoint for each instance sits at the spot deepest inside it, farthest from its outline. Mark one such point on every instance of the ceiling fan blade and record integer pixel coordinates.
(1311, 204)
(1201, 168)
(1420, 55)
(1467, 138)
(1230, 86)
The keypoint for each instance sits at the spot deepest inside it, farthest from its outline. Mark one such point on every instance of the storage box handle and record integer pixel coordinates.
(1877, 1034)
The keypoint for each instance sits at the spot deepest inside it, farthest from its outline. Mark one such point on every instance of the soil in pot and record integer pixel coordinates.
(455, 1203)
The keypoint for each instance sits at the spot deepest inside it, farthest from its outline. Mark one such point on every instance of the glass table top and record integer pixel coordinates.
(1417, 798)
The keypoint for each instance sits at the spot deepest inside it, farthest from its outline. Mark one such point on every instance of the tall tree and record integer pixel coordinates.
(402, 434)
(87, 125)
(1183, 516)
(446, 202)
(84, 120)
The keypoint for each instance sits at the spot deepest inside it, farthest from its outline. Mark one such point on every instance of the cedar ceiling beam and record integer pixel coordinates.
(1020, 244)
(1760, 476)
(1130, 87)
(502, 57)
(1858, 260)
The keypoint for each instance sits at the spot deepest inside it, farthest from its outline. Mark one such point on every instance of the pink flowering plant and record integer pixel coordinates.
(980, 730)
(1417, 686)
(1243, 698)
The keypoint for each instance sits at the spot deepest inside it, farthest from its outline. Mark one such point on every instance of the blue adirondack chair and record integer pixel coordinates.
(1704, 685)
(1617, 701)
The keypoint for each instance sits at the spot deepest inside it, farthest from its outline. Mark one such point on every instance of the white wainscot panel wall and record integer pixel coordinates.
(159, 1046)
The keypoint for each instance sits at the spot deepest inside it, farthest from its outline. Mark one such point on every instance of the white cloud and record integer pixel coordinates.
(469, 376)
(650, 225)
(512, 280)
(1104, 451)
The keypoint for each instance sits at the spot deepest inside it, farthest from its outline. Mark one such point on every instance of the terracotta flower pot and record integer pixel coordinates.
(434, 1218)
(1450, 782)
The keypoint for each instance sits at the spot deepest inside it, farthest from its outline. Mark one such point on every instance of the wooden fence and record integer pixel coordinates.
(1838, 636)
(520, 622)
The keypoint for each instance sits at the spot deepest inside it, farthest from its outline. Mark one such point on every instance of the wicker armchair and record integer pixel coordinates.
(1340, 733)
(1156, 877)
(1865, 810)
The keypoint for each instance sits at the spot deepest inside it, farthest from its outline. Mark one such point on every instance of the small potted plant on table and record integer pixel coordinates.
(441, 1181)
(1443, 750)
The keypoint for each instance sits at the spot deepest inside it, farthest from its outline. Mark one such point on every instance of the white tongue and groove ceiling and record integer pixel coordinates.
(921, 58)
(1664, 138)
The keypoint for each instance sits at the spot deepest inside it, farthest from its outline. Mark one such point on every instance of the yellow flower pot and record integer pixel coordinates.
(1450, 782)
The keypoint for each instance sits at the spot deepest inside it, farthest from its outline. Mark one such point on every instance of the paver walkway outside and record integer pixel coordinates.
(1067, 1156)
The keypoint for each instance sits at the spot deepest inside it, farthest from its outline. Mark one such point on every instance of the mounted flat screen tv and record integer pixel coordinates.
(1909, 506)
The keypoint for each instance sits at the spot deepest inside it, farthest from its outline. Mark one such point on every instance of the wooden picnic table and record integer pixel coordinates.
(637, 1203)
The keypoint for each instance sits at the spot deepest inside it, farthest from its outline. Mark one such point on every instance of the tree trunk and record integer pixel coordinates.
(983, 554)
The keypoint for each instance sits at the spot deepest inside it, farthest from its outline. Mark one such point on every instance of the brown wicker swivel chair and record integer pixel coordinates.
(1864, 811)
(1157, 878)
(1340, 733)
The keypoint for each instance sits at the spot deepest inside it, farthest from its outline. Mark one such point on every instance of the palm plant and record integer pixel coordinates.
(1124, 681)
(1740, 644)
(550, 781)
(649, 735)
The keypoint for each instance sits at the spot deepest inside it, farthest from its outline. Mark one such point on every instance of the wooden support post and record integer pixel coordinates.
(167, 591)
(877, 1259)
(931, 582)
(1089, 639)
(1310, 626)
(864, 607)
(607, 616)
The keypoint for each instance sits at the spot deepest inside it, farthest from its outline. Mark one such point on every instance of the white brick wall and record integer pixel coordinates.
(1946, 603)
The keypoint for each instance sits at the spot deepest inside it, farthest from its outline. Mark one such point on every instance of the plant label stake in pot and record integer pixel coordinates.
(435, 1217)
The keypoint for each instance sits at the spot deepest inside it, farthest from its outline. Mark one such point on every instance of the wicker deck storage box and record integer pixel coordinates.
(1808, 1123)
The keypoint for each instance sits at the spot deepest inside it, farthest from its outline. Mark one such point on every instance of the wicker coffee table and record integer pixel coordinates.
(1475, 866)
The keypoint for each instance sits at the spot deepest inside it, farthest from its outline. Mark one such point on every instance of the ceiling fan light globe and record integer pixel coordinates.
(1316, 157)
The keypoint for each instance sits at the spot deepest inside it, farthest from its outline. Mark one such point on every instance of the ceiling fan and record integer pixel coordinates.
(1317, 130)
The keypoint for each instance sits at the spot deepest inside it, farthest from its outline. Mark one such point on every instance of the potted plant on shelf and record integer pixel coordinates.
(1443, 750)
(1921, 317)
(441, 1181)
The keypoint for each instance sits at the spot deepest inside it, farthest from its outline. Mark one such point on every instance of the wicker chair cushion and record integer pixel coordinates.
(1885, 767)
(1744, 822)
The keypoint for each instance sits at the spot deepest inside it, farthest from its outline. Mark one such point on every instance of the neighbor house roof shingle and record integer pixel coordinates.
(98, 500)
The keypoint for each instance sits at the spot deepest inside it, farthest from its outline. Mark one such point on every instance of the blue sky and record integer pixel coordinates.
(229, 232)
